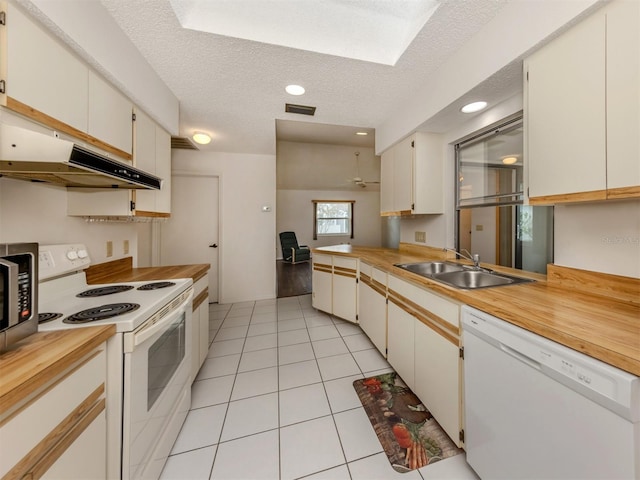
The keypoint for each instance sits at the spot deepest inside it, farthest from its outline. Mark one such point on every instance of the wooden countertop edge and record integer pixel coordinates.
(31, 363)
(121, 270)
(621, 355)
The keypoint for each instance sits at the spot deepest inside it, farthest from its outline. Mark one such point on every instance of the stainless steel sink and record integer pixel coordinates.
(459, 276)
(427, 269)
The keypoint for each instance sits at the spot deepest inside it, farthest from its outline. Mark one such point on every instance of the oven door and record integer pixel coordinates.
(157, 390)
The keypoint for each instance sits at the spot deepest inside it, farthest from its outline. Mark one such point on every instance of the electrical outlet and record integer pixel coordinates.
(109, 248)
(421, 237)
(125, 247)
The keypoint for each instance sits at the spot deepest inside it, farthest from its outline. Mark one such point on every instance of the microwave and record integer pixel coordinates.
(18, 292)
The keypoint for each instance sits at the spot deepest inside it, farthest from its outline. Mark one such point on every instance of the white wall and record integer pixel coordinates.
(34, 212)
(295, 213)
(247, 234)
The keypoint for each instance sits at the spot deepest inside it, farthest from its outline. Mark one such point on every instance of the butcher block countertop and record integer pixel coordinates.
(122, 271)
(33, 362)
(596, 314)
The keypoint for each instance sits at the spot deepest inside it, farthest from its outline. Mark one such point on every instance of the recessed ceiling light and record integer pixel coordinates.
(362, 133)
(201, 138)
(473, 107)
(509, 160)
(294, 89)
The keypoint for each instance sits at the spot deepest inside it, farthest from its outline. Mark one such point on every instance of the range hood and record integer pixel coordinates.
(29, 155)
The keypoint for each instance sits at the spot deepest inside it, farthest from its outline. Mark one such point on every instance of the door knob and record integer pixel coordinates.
(213, 245)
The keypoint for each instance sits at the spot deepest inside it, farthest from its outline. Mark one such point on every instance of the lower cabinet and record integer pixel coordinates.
(61, 432)
(335, 285)
(200, 330)
(400, 339)
(372, 305)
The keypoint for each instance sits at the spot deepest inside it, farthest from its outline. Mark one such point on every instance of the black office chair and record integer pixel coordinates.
(291, 251)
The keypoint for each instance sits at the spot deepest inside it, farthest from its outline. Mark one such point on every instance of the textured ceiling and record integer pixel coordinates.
(234, 88)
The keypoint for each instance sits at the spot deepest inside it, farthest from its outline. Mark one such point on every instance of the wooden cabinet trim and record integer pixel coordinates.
(50, 448)
(321, 267)
(596, 195)
(144, 213)
(202, 296)
(373, 284)
(431, 320)
(396, 213)
(345, 272)
(623, 192)
(51, 122)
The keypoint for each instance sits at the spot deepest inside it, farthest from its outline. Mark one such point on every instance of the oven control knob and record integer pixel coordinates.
(82, 254)
(72, 255)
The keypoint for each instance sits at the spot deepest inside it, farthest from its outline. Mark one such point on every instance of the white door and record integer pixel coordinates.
(191, 234)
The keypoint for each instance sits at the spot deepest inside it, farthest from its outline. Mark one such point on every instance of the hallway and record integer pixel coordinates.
(274, 400)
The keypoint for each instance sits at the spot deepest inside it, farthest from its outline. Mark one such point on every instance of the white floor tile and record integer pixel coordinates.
(231, 333)
(370, 360)
(322, 333)
(192, 465)
(262, 329)
(342, 395)
(303, 403)
(357, 436)
(201, 428)
(452, 468)
(302, 454)
(211, 391)
(299, 352)
(346, 328)
(378, 467)
(329, 347)
(338, 366)
(265, 317)
(240, 311)
(292, 337)
(315, 320)
(255, 382)
(219, 366)
(226, 347)
(255, 457)
(337, 473)
(358, 342)
(264, 308)
(293, 324)
(258, 359)
(289, 314)
(261, 342)
(251, 415)
(298, 374)
(236, 321)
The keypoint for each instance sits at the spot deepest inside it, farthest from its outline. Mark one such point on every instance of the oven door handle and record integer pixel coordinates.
(149, 330)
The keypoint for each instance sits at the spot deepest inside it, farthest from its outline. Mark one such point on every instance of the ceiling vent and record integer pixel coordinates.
(183, 143)
(300, 109)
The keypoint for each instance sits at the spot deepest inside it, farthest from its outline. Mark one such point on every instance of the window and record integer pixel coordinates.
(332, 218)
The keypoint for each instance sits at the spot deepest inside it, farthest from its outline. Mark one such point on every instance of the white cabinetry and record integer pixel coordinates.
(583, 110)
(60, 432)
(411, 176)
(335, 285)
(200, 330)
(400, 340)
(372, 305)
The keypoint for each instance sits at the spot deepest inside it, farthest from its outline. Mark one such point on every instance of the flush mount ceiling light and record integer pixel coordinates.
(510, 160)
(201, 138)
(473, 107)
(364, 134)
(294, 90)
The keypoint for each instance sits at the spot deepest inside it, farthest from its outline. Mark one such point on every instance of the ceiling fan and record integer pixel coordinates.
(357, 180)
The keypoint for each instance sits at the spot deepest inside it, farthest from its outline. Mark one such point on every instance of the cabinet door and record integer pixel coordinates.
(372, 316)
(321, 282)
(144, 157)
(428, 194)
(43, 74)
(203, 315)
(386, 181)
(403, 176)
(400, 340)
(623, 96)
(345, 288)
(566, 113)
(109, 114)
(437, 378)
(163, 170)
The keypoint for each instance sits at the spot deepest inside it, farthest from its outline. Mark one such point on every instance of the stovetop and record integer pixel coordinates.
(64, 293)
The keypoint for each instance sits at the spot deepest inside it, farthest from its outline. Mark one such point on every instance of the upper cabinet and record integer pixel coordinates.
(583, 110)
(411, 176)
(41, 79)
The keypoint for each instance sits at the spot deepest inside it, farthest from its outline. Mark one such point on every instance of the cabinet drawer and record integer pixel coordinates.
(51, 412)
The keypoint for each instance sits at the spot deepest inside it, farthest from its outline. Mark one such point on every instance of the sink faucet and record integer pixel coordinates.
(475, 258)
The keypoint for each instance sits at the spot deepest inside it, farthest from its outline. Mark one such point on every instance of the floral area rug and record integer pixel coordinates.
(409, 434)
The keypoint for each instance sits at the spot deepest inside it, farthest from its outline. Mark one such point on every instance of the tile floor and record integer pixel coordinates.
(274, 400)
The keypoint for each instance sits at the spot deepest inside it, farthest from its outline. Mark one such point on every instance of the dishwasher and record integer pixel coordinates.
(535, 409)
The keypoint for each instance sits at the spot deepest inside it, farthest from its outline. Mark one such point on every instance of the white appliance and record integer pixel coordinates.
(535, 409)
(149, 358)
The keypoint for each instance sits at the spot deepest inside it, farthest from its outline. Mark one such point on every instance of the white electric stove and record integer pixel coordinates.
(148, 359)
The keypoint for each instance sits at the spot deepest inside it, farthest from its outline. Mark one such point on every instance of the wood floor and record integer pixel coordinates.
(293, 279)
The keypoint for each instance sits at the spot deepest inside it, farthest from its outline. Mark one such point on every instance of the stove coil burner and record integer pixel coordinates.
(108, 290)
(101, 313)
(48, 317)
(156, 285)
